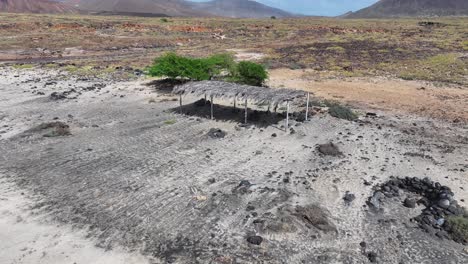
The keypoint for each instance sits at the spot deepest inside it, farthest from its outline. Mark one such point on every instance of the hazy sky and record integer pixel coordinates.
(316, 7)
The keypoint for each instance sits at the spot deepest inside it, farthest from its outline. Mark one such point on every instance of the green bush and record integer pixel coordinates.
(174, 66)
(340, 111)
(459, 228)
(250, 73)
(164, 20)
(222, 66)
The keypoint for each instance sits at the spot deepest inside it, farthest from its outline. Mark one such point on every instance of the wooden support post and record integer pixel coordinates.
(235, 99)
(268, 110)
(307, 107)
(287, 116)
(245, 121)
(205, 99)
(211, 107)
(180, 103)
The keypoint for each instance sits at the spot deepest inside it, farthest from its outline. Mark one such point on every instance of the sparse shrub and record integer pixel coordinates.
(336, 49)
(340, 111)
(273, 17)
(170, 122)
(459, 228)
(295, 66)
(251, 73)
(164, 20)
(465, 45)
(23, 66)
(53, 129)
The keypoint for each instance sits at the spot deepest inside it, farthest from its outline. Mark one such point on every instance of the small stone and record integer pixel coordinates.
(442, 234)
(410, 203)
(372, 256)
(444, 203)
(349, 197)
(440, 221)
(245, 183)
(256, 240)
(273, 135)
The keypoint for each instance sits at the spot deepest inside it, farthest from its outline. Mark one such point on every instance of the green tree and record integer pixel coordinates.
(174, 66)
(251, 73)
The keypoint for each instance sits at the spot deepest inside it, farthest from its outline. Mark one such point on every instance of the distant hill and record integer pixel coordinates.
(225, 8)
(34, 6)
(405, 8)
(166, 7)
(240, 8)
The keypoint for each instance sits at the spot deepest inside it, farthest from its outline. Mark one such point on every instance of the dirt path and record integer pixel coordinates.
(414, 97)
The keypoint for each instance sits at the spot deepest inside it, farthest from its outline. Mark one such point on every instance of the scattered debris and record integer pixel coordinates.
(51, 129)
(216, 133)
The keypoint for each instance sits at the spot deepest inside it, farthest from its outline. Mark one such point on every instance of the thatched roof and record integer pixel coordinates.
(219, 89)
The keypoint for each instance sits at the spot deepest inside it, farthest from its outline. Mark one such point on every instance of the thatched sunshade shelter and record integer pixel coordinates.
(226, 90)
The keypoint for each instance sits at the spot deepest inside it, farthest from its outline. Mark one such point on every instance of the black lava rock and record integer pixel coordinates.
(438, 200)
(410, 203)
(372, 256)
(216, 133)
(256, 240)
(349, 197)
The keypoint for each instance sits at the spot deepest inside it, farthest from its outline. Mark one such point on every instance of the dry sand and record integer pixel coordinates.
(30, 237)
(445, 102)
(136, 175)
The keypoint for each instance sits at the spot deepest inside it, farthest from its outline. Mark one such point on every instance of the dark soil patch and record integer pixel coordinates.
(64, 95)
(51, 129)
(313, 215)
(329, 149)
(431, 24)
(352, 55)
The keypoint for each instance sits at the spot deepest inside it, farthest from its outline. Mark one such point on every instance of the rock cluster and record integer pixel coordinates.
(437, 199)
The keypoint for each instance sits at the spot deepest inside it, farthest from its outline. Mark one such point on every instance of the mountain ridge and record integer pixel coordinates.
(412, 8)
(35, 6)
(224, 8)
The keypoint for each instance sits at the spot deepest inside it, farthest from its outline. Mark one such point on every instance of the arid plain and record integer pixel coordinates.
(97, 164)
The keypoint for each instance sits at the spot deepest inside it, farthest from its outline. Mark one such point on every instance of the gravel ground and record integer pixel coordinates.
(136, 175)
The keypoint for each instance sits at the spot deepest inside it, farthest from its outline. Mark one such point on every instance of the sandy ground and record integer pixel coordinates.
(30, 237)
(444, 102)
(136, 175)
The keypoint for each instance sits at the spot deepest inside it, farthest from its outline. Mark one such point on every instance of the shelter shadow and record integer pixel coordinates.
(202, 108)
